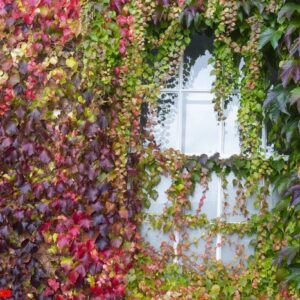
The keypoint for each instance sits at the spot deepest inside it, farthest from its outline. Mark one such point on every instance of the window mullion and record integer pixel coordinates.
(219, 214)
(220, 189)
(180, 109)
(179, 142)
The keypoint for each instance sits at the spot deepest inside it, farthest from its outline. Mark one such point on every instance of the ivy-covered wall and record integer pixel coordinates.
(77, 167)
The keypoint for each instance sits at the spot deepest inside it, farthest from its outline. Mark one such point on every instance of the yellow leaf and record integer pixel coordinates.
(71, 63)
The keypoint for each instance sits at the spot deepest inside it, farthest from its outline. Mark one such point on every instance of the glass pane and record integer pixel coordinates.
(231, 129)
(200, 246)
(172, 82)
(166, 129)
(209, 199)
(196, 73)
(153, 236)
(201, 132)
(236, 249)
(196, 70)
(232, 204)
(157, 206)
(233, 207)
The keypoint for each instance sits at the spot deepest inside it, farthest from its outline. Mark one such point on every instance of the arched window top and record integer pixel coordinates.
(186, 119)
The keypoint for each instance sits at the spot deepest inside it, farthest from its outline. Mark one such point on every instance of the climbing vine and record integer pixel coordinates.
(80, 164)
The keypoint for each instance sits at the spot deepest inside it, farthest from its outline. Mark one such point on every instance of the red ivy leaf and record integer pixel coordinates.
(74, 231)
(73, 276)
(82, 219)
(53, 284)
(48, 292)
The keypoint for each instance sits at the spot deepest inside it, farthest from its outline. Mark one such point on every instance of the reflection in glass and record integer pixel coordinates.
(166, 129)
(200, 246)
(233, 207)
(231, 129)
(154, 237)
(197, 73)
(157, 206)
(236, 249)
(209, 199)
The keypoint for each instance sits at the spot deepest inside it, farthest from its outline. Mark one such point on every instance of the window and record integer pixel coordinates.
(186, 121)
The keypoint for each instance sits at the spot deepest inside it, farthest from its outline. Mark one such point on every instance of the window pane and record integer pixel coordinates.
(210, 202)
(153, 236)
(201, 132)
(173, 82)
(233, 208)
(236, 249)
(166, 129)
(231, 129)
(196, 73)
(196, 70)
(157, 206)
(201, 246)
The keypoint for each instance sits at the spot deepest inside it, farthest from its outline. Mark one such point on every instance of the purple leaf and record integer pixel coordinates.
(4, 231)
(296, 73)
(102, 243)
(91, 173)
(11, 128)
(28, 148)
(286, 72)
(23, 67)
(103, 230)
(295, 199)
(103, 122)
(99, 219)
(293, 188)
(43, 208)
(95, 268)
(165, 3)
(296, 47)
(88, 96)
(28, 246)
(106, 164)
(63, 240)
(92, 194)
(44, 157)
(117, 242)
(5, 143)
(35, 114)
(203, 159)
(20, 112)
(80, 269)
(25, 188)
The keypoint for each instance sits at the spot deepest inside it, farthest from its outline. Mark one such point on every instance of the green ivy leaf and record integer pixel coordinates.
(287, 11)
(167, 227)
(179, 187)
(269, 36)
(295, 95)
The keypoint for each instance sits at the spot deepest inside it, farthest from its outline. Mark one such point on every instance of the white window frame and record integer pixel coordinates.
(180, 91)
